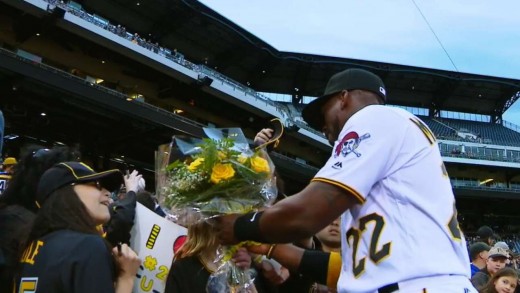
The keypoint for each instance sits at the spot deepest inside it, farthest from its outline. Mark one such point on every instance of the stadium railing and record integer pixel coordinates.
(512, 156)
(476, 184)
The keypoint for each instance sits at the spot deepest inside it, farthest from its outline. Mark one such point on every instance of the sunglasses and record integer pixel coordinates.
(95, 184)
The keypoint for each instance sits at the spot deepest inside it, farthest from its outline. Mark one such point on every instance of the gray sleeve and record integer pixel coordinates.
(479, 280)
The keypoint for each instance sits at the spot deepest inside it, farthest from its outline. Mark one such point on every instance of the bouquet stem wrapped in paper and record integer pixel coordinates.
(221, 174)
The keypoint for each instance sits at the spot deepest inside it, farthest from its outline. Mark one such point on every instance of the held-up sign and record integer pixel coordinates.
(153, 239)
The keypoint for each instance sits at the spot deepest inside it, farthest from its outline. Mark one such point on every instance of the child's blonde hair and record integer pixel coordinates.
(201, 236)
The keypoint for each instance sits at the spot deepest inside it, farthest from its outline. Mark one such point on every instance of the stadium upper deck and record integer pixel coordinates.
(498, 88)
(205, 37)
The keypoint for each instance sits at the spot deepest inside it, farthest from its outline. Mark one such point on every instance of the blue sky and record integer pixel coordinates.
(481, 37)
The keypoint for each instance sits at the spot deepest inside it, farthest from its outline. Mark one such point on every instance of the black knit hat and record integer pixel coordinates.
(476, 248)
(350, 79)
(65, 173)
(485, 232)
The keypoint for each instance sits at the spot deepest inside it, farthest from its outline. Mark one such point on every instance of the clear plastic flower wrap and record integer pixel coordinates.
(198, 179)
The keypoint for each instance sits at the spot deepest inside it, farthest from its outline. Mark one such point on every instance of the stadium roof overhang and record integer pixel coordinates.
(206, 37)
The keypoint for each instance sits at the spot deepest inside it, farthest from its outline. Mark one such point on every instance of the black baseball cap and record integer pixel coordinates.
(485, 232)
(476, 248)
(350, 79)
(66, 173)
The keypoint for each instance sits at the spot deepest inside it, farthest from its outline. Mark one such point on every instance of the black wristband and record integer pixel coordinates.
(314, 265)
(247, 227)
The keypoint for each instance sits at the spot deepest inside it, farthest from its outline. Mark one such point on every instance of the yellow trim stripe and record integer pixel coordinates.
(91, 175)
(333, 270)
(349, 189)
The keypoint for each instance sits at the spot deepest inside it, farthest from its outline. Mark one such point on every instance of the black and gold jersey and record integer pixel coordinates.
(67, 261)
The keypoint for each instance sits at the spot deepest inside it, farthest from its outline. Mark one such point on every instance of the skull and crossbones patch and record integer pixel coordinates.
(349, 144)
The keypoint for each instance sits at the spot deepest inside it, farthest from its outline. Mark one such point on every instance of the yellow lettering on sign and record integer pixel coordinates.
(146, 286)
(163, 273)
(153, 236)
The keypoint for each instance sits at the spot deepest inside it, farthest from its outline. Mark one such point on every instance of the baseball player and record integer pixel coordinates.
(387, 180)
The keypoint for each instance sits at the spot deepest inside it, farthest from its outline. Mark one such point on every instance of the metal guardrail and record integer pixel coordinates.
(286, 158)
(480, 157)
(475, 185)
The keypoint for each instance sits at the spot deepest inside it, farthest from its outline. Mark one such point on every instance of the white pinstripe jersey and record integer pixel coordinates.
(405, 225)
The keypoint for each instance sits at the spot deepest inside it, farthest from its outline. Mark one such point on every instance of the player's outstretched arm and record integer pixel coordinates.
(296, 217)
(321, 267)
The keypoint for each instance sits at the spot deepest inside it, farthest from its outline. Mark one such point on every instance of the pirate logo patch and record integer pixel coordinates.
(349, 143)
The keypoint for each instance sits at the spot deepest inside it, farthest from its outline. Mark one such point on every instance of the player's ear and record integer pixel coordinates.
(345, 99)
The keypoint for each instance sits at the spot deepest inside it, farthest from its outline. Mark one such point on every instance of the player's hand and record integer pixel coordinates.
(263, 136)
(272, 275)
(224, 227)
(127, 259)
(242, 259)
(132, 181)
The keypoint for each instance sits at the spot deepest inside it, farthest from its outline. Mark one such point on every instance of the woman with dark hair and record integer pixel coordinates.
(65, 251)
(34, 161)
(17, 203)
(503, 281)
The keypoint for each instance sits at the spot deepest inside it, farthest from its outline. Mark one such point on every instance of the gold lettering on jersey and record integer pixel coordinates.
(31, 252)
(153, 236)
(425, 130)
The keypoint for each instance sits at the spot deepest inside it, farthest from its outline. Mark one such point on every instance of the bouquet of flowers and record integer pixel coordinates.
(221, 174)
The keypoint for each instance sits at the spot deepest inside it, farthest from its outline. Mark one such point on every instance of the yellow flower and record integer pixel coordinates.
(221, 172)
(150, 262)
(195, 164)
(221, 155)
(259, 165)
(242, 159)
